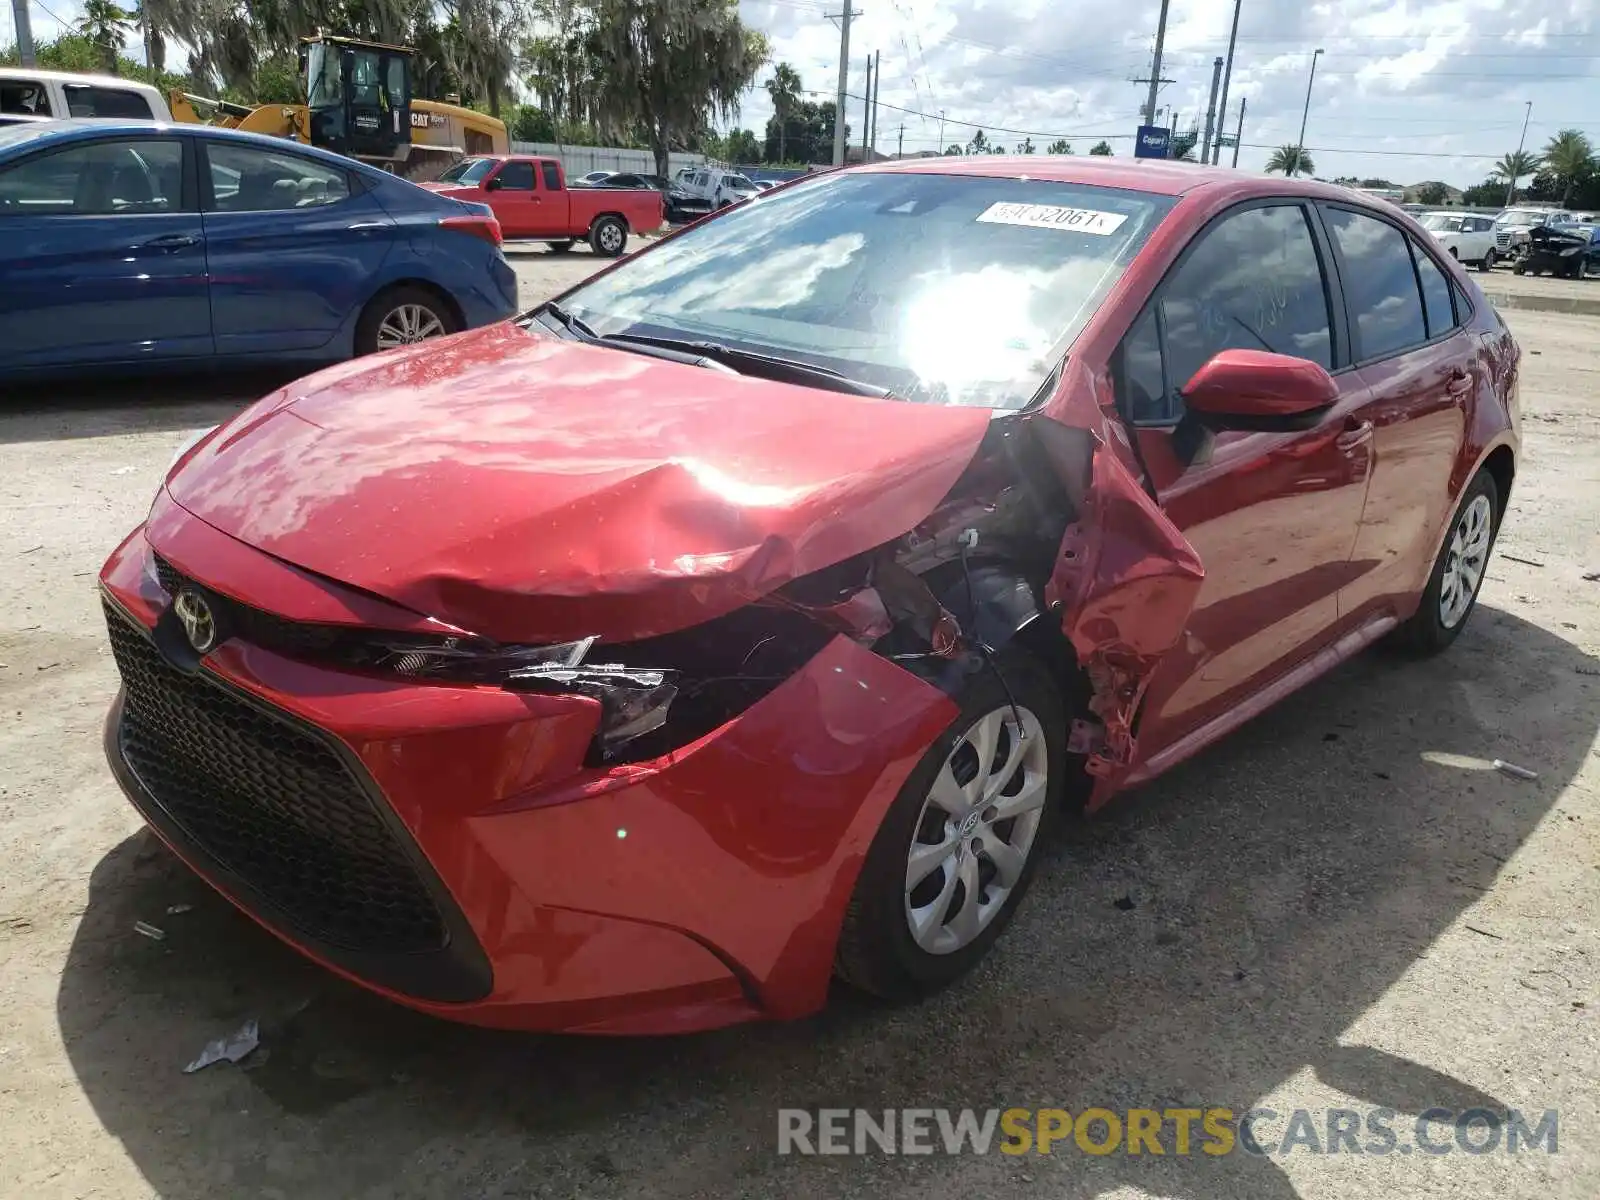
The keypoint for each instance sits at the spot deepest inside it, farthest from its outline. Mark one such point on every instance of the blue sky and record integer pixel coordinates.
(1407, 91)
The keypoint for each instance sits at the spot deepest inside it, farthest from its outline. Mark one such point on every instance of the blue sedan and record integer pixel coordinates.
(137, 243)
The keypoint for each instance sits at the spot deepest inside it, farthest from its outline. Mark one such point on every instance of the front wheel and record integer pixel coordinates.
(959, 845)
(1488, 262)
(402, 316)
(608, 237)
(1452, 589)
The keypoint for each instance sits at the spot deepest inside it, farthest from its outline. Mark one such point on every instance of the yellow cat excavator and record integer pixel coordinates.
(359, 103)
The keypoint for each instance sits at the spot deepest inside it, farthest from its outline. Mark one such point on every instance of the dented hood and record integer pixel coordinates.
(532, 489)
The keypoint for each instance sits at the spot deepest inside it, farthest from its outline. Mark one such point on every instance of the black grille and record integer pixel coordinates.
(272, 803)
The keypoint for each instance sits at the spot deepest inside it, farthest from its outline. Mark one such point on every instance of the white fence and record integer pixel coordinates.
(580, 160)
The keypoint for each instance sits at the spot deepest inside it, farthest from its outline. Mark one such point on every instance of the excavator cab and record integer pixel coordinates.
(359, 97)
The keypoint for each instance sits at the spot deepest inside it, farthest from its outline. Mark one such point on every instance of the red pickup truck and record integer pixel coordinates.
(531, 200)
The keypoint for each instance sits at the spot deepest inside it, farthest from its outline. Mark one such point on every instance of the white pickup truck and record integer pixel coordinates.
(721, 188)
(1465, 237)
(26, 92)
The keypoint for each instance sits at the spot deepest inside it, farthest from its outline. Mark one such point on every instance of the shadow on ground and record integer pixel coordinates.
(1281, 884)
(52, 411)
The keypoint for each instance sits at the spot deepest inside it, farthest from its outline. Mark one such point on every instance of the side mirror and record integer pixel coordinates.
(493, 185)
(1261, 392)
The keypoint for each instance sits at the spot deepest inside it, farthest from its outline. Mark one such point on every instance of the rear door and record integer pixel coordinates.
(1272, 516)
(293, 243)
(102, 254)
(1407, 335)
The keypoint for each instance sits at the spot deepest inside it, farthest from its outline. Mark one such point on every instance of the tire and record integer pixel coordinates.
(405, 313)
(878, 950)
(1488, 262)
(608, 237)
(1520, 269)
(1473, 526)
(1454, 255)
(560, 247)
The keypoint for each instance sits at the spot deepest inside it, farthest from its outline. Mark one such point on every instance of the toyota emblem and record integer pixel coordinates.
(197, 620)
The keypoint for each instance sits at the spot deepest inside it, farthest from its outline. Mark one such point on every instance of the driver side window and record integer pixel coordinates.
(1253, 282)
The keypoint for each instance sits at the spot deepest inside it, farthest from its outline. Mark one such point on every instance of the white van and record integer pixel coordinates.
(1465, 237)
(60, 94)
(721, 188)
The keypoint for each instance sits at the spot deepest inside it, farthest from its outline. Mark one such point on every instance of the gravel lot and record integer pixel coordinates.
(1338, 907)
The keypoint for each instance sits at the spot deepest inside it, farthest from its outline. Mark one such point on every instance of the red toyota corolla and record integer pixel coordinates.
(746, 616)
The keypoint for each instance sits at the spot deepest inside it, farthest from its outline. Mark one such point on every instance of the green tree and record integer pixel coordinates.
(1183, 145)
(784, 88)
(1569, 156)
(668, 66)
(1101, 148)
(1290, 160)
(106, 25)
(953, 150)
(1432, 193)
(1059, 146)
(741, 147)
(979, 143)
(809, 137)
(1513, 168)
(1488, 194)
(1025, 146)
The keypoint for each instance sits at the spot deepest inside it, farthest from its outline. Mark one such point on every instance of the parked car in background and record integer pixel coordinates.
(785, 617)
(126, 242)
(593, 178)
(1466, 237)
(720, 188)
(764, 185)
(680, 204)
(529, 195)
(1567, 251)
(29, 92)
(1511, 227)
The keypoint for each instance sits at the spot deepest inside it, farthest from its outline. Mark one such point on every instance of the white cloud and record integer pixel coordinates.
(1406, 92)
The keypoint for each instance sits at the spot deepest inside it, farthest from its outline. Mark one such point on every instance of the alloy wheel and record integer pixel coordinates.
(1463, 568)
(611, 238)
(408, 324)
(976, 829)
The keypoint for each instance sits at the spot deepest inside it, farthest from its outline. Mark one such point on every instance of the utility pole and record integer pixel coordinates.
(866, 111)
(877, 90)
(1155, 67)
(1227, 77)
(844, 78)
(1511, 184)
(19, 10)
(1211, 111)
(900, 144)
(1239, 136)
(1306, 114)
(942, 146)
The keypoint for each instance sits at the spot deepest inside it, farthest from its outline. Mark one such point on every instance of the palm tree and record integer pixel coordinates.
(1516, 166)
(784, 88)
(1025, 146)
(1059, 146)
(1570, 158)
(106, 25)
(979, 143)
(1290, 160)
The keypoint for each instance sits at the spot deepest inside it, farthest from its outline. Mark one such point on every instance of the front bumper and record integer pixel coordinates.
(698, 890)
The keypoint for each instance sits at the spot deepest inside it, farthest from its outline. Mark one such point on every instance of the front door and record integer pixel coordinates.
(102, 256)
(1272, 516)
(292, 251)
(517, 204)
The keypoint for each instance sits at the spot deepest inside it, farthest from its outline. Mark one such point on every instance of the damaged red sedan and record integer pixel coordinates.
(744, 617)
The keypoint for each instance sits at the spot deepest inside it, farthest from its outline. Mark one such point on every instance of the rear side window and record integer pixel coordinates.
(100, 179)
(24, 96)
(1380, 284)
(516, 177)
(88, 100)
(1436, 302)
(248, 179)
(552, 176)
(1253, 282)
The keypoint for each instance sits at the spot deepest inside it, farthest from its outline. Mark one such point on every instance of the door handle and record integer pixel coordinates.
(1460, 382)
(365, 226)
(171, 241)
(1356, 433)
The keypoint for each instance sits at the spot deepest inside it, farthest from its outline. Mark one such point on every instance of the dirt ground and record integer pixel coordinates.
(1340, 906)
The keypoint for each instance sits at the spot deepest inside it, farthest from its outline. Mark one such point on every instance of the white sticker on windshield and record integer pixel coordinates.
(1053, 216)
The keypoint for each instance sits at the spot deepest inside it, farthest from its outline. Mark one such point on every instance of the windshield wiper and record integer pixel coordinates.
(770, 366)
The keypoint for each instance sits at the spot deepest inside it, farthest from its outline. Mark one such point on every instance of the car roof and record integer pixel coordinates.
(1163, 177)
(75, 129)
(75, 77)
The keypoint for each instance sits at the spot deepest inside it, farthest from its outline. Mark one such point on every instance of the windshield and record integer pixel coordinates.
(468, 170)
(324, 88)
(1522, 218)
(1440, 223)
(945, 289)
(738, 181)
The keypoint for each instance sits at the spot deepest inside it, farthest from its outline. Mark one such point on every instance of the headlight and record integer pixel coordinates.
(632, 702)
(187, 446)
(466, 660)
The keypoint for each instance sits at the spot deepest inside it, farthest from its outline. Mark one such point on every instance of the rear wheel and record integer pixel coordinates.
(1489, 260)
(958, 847)
(1452, 589)
(403, 316)
(608, 237)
